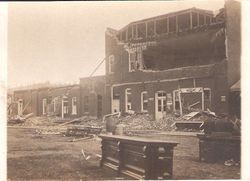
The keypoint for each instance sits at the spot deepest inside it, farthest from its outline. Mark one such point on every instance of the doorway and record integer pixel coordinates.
(20, 107)
(160, 105)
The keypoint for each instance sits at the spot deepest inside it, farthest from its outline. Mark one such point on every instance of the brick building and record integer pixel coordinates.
(175, 62)
(54, 100)
(68, 101)
(178, 62)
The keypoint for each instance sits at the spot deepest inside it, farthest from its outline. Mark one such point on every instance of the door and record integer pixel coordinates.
(160, 105)
(116, 105)
(20, 107)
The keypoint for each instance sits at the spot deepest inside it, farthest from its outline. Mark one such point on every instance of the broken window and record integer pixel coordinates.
(44, 105)
(111, 64)
(135, 60)
(201, 20)
(172, 24)
(150, 29)
(86, 103)
(74, 108)
(194, 20)
(128, 102)
(141, 28)
(184, 21)
(144, 101)
(162, 26)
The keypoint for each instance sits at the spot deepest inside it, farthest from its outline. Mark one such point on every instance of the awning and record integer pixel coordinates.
(235, 87)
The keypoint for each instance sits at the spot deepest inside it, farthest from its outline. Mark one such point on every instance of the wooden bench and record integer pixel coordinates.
(138, 158)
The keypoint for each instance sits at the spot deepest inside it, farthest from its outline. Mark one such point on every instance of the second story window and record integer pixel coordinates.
(111, 64)
(135, 61)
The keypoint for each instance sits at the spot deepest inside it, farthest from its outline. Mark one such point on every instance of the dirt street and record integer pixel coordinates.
(34, 157)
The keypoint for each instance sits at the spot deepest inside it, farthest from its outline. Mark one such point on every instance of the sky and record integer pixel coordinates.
(60, 42)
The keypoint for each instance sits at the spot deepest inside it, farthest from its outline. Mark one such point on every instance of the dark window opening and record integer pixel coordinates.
(162, 26)
(194, 20)
(172, 24)
(141, 30)
(150, 29)
(184, 21)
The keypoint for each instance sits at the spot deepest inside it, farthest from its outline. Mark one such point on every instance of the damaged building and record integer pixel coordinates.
(173, 63)
(177, 62)
(68, 101)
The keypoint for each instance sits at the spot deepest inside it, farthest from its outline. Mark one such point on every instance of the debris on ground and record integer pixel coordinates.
(81, 139)
(231, 162)
(19, 119)
(145, 122)
(83, 131)
(86, 157)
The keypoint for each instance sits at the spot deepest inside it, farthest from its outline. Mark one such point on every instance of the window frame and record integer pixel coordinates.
(143, 101)
(111, 62)
(74, 100)
(126, 100)
(44, 103)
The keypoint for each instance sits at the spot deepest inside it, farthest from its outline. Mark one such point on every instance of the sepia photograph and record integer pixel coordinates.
(124, 90)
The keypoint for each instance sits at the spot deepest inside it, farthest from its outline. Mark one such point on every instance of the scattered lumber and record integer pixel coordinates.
(81, 139)
(68, 122)
(85, 156)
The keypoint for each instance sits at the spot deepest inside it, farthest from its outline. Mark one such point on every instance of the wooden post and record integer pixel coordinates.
(202, 99)
(179, 94)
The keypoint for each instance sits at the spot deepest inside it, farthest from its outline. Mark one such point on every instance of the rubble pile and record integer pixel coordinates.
(90, 121)
(39, 121)
(147, 122)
